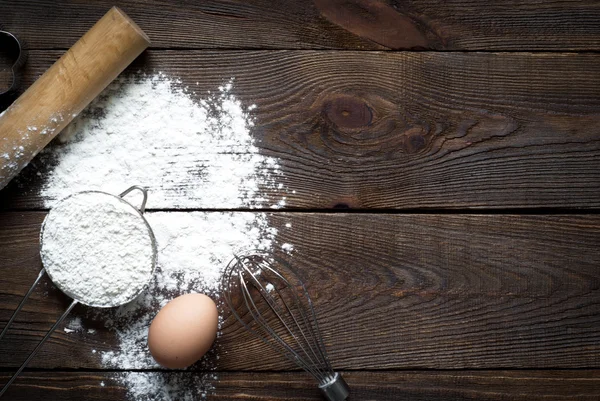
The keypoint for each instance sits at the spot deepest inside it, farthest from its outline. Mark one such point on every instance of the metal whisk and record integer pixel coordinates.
(269, 299)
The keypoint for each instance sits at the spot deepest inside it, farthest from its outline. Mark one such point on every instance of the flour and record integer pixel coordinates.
(174, 386)
(194, 248)
(190, 152)
(74, 325)
(97, 249)
(151, 132)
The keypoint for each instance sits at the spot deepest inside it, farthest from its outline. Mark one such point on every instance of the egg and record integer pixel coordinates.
(183, 331)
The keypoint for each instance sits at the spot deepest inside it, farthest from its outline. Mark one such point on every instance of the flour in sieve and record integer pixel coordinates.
(97, 249)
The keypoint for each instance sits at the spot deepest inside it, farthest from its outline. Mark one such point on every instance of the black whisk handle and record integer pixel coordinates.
(336, 389)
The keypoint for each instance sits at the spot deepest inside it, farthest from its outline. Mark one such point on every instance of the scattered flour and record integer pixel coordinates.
(97, 249)
(189, 153)
(151, 132)
(174, 386)
(73, 325)
(194, 248)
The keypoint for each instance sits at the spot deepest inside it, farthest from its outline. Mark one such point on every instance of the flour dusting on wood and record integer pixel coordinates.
(152, 132)
(189, 153)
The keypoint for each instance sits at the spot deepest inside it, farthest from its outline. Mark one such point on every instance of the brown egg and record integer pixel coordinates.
(183, 331)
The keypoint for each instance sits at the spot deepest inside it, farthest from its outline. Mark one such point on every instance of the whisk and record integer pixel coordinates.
(269, 299)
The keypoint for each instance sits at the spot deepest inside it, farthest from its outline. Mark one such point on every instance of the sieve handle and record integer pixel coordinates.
(37, 348)
(143, 190)
(14, 315)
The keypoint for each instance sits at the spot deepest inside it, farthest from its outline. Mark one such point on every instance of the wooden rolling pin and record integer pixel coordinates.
(66, 88)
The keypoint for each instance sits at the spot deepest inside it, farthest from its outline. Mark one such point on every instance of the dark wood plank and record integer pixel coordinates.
(374, 386)
(403, 130)
(337, 24)
(392, 291)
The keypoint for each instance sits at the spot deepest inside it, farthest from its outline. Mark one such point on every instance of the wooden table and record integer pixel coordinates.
(448, 195)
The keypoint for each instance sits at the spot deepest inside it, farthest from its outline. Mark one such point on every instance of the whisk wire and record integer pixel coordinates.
(275, 306)
(263, 265)
(318, 337)
(312, 351)
(315, 332)
(278, 344)
(295, 356)
(310, 339)
(300, 308)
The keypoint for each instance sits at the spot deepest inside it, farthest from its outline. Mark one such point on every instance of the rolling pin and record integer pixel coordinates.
(66, 88)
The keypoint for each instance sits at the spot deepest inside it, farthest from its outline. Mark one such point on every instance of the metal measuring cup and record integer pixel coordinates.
(76, 301)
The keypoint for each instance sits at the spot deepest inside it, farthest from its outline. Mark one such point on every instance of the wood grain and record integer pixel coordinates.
(392, 291)
(373, 386)
(422, 307)
(322, 24)
(401, 130)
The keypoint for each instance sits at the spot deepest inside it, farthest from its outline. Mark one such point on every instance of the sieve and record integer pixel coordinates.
(140, 212)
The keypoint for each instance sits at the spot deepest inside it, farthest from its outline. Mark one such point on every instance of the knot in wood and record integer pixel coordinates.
(415, 140)
(347, 112)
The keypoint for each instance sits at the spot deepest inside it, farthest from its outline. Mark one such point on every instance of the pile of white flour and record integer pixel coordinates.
(190, 153)
(151, 132)
(97, 249)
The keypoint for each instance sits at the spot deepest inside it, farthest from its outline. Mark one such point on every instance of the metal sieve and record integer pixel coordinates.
(139, 211)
